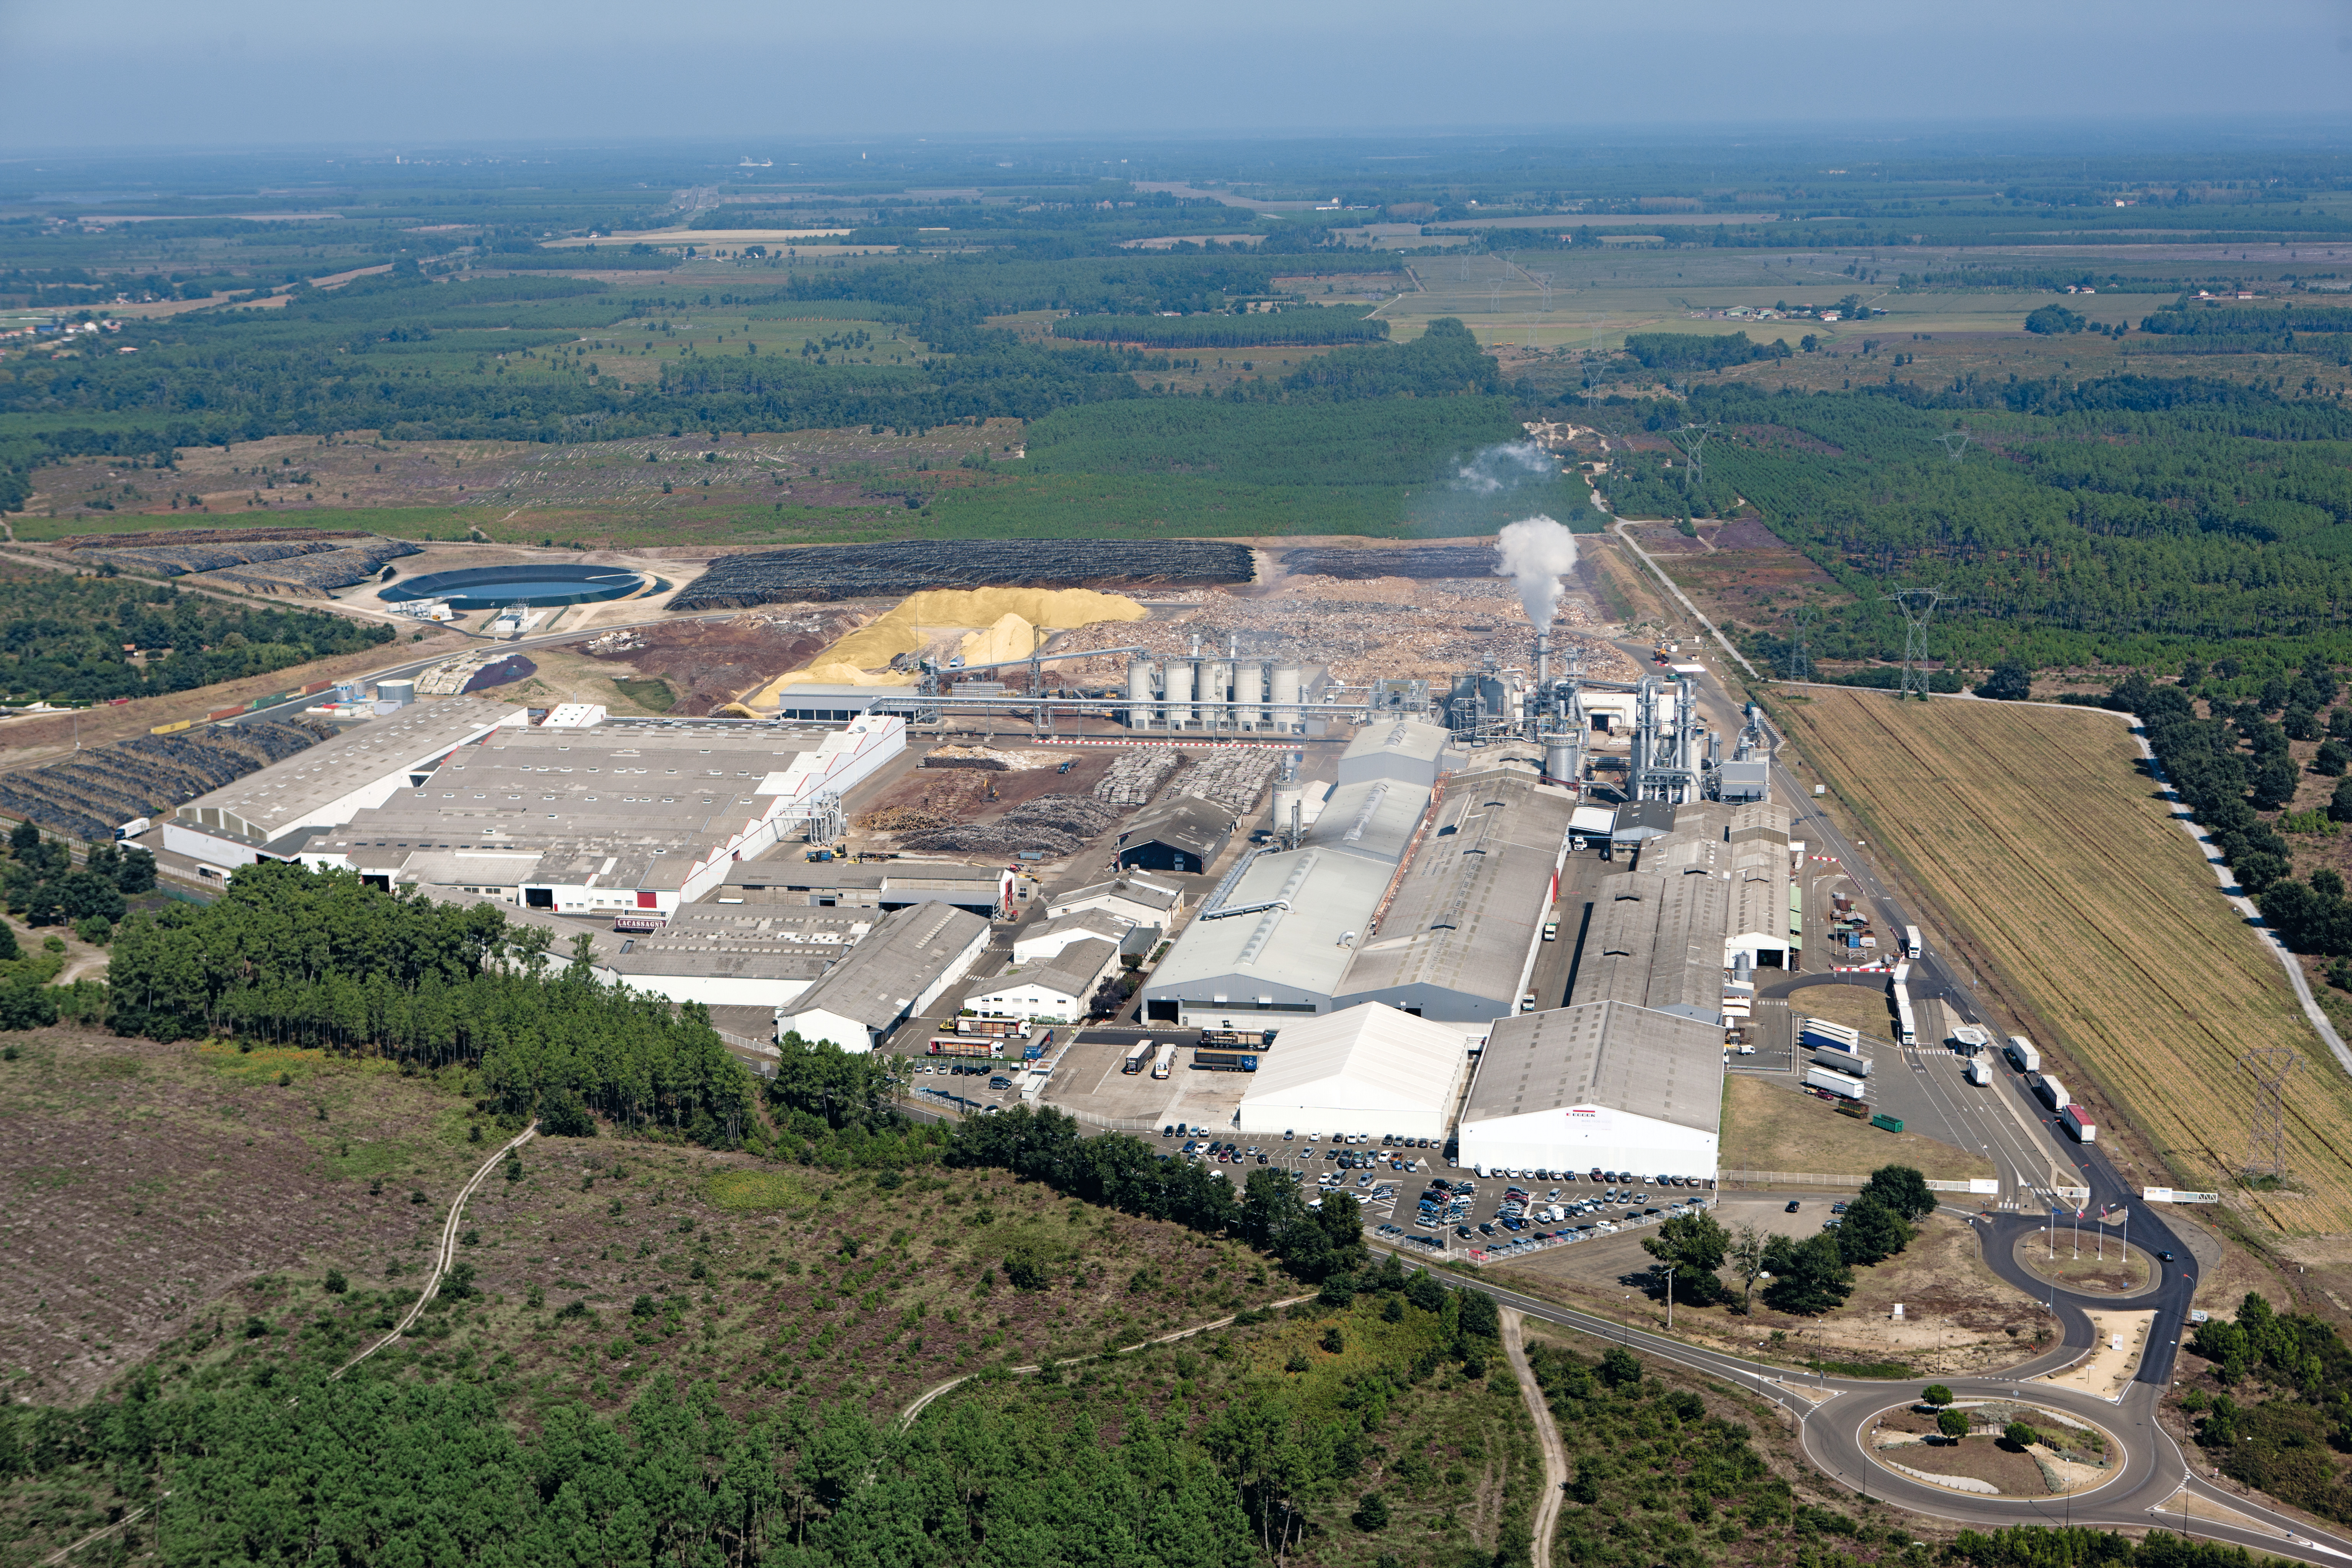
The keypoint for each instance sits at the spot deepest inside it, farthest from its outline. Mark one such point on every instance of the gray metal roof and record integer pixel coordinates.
(1199, 827)
(1410, 751)
(700, 940)
(283, 795)
(1635, 1059)
(1376, 819)
(1071, 971)
(905, 952)
(1466, 911)
(1150, 894)
(1307, 908)
(1656, 939)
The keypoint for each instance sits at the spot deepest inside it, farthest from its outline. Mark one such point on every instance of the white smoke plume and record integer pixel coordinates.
(1536, 552)
(1506, 467)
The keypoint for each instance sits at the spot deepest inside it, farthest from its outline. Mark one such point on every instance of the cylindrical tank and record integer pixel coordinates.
(1140, 672)
(1560, 761)
(1216, 686)
(1284, 692)
(1286, 797)
(1180, 694)
(401, 691)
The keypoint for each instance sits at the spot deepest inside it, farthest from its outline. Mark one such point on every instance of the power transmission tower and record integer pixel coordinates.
(1948, 439)
(1692, 439)
(2266, 1133)
(1915, 637)
(1801, 658)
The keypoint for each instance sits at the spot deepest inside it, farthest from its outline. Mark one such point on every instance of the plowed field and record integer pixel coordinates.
(2042, 837)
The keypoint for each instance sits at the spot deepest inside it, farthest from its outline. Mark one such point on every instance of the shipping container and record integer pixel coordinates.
(2051, 1090)
(2071, 1119)
(1822, 1033)
(1979, 1071)
(1853, 1064)
(1886, 1123)
(1205, 1060)
(1836, 1083)
(2022, 1054)
(1853, 1107)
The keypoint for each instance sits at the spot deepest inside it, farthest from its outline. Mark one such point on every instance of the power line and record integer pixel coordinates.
(1800, 660)
(1946, 439)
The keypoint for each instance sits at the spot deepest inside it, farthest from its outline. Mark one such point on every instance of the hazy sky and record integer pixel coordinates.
(209, 73)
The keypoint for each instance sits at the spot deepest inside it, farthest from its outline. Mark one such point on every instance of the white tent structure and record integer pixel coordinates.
(1370, 1069)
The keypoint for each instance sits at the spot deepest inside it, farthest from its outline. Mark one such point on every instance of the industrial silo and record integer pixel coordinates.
(1180, 694)
(1216, 680)
(1257, 681)
(1141, 693)
(1285, 689)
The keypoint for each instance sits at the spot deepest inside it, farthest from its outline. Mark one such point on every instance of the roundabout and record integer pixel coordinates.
(2064, 1454)
(538, 587)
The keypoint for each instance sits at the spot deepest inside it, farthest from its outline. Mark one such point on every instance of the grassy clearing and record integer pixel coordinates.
(1767, 1127)
(2044, 843)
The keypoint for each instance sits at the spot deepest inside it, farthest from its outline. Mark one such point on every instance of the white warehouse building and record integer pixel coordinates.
(1369, 1070)
(1605, 1084)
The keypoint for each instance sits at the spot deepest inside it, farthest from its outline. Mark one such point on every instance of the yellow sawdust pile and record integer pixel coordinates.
(1009, 618)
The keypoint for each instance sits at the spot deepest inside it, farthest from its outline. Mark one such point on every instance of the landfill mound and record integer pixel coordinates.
(1054, 824)
(1426, 561)
(99, 791)
(856, 571)
(1136, 776)
(181, 536)
(318, 562)
(320, 570)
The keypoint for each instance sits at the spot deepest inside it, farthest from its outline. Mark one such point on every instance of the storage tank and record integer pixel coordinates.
(1287, 794)
(400, 693)
(1179, 693)
(1284, 690)
(1140, 692)
(1559, 760)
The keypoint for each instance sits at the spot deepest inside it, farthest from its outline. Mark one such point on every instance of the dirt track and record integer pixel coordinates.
(1555, 1453)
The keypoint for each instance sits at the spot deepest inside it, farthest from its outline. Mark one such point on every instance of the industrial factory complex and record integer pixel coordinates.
(1515, 915)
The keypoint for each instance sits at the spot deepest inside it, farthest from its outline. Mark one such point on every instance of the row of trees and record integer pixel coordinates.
(318, 959)
(1124, 1173)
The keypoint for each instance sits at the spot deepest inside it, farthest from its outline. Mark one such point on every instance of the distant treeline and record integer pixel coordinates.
(2006, 279)
(1311, 326)
(2323, 332)
(1700, 351)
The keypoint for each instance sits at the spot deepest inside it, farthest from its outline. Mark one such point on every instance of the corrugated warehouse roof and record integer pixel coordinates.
(1375, 820)
(262, 806)
(1070, 973)
(906, 951)
(1305, 911)
(1759, 887)
(1407, 750)
(1635, 1059)
(1467, 909)
(1367, 1068)
(1199, 827)
(1657, 936)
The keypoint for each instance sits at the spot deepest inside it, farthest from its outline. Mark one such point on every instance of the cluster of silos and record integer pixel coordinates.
(1213, 692)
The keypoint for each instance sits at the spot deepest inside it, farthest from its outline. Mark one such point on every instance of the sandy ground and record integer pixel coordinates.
(2107, 1370)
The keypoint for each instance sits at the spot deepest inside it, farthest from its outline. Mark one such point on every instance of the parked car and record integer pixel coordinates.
(1794, 1206)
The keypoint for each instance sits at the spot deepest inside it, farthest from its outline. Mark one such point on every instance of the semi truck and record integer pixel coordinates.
(962, 1046)
(2022, 1054)
(1835, 1083)
(1823, 1035)
(1853, 1064)
(2051, 1089)
(1205, 1061)
(1163, 1061)
(134, 828)
(1979, 1071)
(1910, 942)
(1229, 1038)
(1138, 1058)
(2071, 1119)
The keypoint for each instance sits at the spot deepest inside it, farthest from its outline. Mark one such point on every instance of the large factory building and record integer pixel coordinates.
(1370, 1069)
(1605, 1085)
